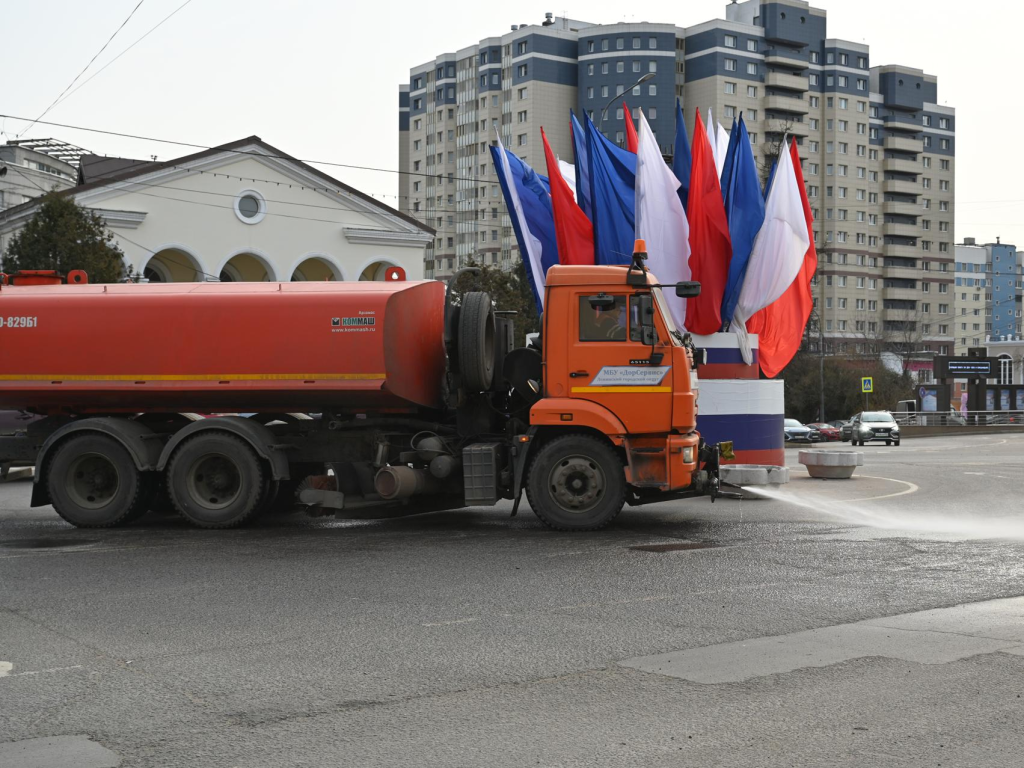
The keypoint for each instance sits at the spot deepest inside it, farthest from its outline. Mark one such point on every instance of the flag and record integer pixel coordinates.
(777, 254)
(612, 175)
(712, 137)
(579, 148)
(722, 148)
(744, 208)
(710, 249)
(572, 228)
(787, 317)
(528, 199)
(730, 150)
(632, 142)
(681, 156)
(568, 173)
(660, 219)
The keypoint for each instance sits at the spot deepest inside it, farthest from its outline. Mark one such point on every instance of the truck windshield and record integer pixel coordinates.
(673, 332)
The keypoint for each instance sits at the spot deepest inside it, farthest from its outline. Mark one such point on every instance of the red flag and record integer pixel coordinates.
(710, 246)
(784, 320)
(573, 230)
(632, 140)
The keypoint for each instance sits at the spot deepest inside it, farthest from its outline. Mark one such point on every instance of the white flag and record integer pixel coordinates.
(568, 171)
(778, 251)
(661, 220)
(713, 140)
(722, 142)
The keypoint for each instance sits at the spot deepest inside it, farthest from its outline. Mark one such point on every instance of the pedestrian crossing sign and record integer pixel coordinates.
(867, 384)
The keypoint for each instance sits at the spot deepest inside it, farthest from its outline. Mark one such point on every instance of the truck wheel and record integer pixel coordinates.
(216, 480)
(476, 341)
(93, 482)
(576, 483)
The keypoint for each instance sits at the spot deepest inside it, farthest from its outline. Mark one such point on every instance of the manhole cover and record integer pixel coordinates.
(46, 543)
(681, 546)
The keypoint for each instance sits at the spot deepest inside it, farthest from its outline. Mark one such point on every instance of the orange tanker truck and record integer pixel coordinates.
(356, 394)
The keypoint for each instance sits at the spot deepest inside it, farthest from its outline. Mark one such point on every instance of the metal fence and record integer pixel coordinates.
(953, 418)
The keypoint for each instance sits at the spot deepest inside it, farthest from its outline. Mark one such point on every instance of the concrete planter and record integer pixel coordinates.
(831, 465)
(746, 475)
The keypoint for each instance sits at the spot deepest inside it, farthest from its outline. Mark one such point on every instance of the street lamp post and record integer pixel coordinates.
(604, 110)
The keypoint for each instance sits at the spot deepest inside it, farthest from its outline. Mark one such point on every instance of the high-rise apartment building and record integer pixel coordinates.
(876, 146)
(988, 294)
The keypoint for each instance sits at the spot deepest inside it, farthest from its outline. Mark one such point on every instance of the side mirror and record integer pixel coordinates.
(688, 290)
(647, 335)
(601, 301)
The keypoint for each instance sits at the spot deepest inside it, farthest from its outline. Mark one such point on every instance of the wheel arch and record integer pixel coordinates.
(261, 439)
(142, 444)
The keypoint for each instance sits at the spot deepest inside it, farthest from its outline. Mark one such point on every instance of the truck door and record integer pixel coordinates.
(609, 364)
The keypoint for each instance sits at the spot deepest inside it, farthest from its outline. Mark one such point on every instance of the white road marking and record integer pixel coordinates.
(449, 623)
(938, 636)
(45, 671)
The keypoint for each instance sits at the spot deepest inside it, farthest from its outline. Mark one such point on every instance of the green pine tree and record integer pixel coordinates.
(64, 236)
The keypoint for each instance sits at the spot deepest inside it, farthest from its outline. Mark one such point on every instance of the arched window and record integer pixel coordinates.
(1005, 369)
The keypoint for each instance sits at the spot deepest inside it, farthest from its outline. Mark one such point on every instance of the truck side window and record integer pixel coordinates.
(634, 321)
(603, 324)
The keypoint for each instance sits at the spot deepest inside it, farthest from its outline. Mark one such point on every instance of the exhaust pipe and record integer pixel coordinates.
(401, 482)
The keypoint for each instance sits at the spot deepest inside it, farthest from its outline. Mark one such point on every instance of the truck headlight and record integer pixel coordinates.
(688, 454)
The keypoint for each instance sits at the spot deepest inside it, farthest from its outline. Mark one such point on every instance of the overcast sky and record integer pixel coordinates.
(319, 79)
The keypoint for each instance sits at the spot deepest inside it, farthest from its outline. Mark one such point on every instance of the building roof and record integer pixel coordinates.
(96, 167)
(129, 171)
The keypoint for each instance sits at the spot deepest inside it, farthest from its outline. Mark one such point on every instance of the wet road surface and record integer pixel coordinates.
(821, 628)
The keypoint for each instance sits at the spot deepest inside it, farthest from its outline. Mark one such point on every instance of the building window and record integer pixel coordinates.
(751, 68)
(652, 90)
(523, 93)
(590, 46)
(250, 206)
(812, 79)
(521, 70)
(730, 41)
(636, 66)
(752, 45)
(752, 91)
(521, 47)
(730, 65)
(620, 67)
(652, 66)
(730, 89)
(636, 42)
(619, 44)
(521, 140)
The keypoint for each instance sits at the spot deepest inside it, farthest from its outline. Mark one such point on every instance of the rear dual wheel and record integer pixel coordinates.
(93, 482)
(216, 480)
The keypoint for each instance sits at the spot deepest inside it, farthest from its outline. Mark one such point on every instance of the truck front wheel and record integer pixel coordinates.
(216, 481)
(94, 483)
(576, 483)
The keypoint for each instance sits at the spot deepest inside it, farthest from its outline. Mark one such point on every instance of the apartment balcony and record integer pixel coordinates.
(894, 187)
(777, 58)
(903, 144)
(904, 294)
(786, 104)
(901, 273)
(902, 123)
(902, 251)
(787, 81)
(902, 209)
(890, 229)
(894, 165)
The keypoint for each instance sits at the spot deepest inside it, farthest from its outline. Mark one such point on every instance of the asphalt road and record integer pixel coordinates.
(802, 631)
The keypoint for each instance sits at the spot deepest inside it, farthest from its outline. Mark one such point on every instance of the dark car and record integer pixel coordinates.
(828, 433)
(873, 425)
(795, 432)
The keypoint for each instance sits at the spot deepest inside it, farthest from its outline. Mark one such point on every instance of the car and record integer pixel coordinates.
(795, 432)
(828, 433)
(873, 425)
(838, 423)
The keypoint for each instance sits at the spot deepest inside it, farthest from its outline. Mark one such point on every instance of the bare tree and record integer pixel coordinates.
(776, 129)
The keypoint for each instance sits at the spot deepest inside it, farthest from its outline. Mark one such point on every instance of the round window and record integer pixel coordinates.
(249, 206)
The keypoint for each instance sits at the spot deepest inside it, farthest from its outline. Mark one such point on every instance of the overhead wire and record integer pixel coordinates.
(85, 68)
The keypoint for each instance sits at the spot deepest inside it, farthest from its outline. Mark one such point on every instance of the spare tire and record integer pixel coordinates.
(476, 341)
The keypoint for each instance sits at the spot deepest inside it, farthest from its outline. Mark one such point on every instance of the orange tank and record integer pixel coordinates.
(235, 347)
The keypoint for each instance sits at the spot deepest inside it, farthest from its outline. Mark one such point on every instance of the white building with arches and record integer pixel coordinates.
(243, 211)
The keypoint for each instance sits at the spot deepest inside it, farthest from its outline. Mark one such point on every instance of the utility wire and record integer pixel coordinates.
(122, 53)
(101, 50)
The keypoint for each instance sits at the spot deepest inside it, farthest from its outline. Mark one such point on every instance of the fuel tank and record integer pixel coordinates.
(215, 347)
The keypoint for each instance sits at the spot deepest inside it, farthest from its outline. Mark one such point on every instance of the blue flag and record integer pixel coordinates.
(579, 147)
(681, 157)
(528, 199)
(771, 178)
(744, 208)
(612, 197)
(730, 158)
